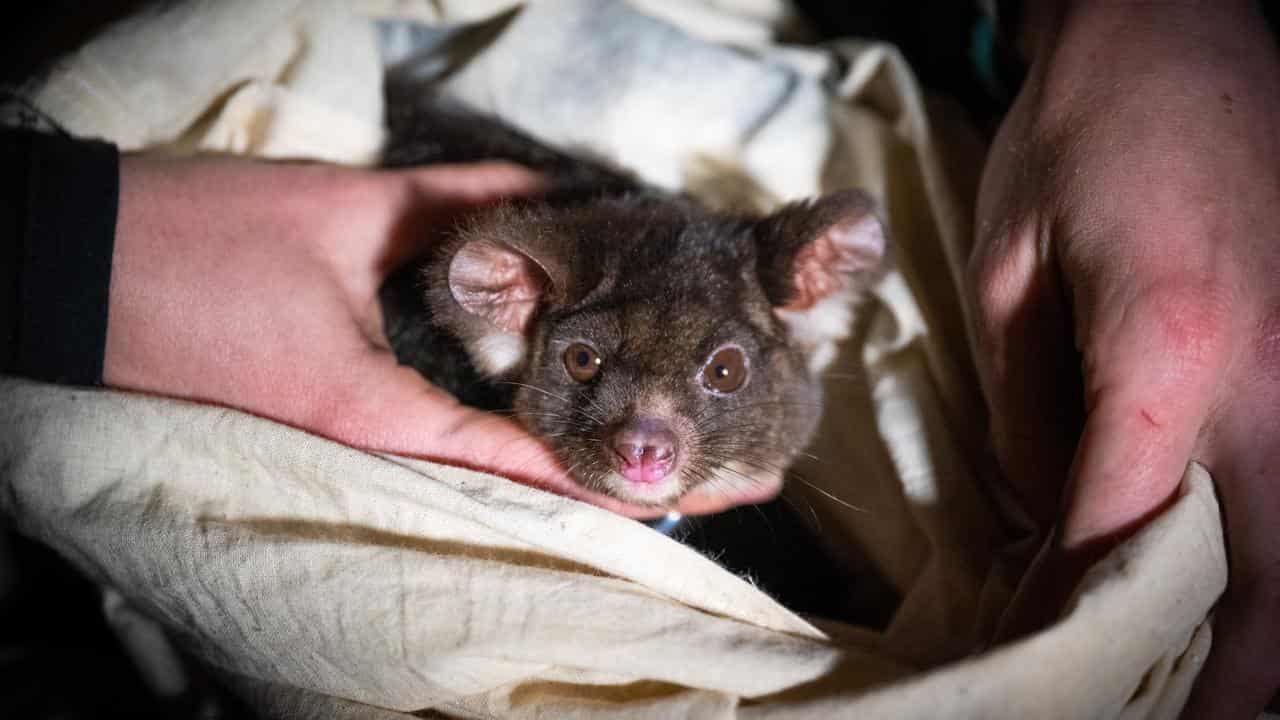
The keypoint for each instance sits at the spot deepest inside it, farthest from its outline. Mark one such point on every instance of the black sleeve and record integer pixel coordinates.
(58, 199)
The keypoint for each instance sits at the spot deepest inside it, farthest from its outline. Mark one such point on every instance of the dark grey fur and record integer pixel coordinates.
(654, 281)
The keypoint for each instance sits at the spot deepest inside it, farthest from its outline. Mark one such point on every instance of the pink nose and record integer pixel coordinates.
(644, 450)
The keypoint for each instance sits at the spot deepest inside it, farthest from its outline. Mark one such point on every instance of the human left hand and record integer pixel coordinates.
(254, 285)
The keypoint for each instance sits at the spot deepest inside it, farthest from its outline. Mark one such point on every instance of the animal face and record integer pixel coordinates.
(657, 347)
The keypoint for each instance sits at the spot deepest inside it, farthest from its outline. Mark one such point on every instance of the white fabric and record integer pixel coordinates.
(328, 582)
(279, 79)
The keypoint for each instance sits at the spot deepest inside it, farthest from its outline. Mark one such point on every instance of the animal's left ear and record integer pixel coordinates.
(815, 259)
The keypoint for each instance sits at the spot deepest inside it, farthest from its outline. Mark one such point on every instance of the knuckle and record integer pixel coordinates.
(977, 275)
(980, 298)
(1191, 322)
(1253, 596)
(337, 414)
(998, 279)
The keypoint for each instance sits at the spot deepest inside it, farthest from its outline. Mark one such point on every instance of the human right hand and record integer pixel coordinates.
(1126, 295)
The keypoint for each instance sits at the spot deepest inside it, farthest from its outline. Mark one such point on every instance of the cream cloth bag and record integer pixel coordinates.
(329, 582)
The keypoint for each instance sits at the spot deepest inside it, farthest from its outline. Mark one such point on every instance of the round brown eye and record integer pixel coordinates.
(582, 362)
(726, 371)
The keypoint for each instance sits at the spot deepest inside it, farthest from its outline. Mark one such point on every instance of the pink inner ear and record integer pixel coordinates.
(497, 283)
(829, 263)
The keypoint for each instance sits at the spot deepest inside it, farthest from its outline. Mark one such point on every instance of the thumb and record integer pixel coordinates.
(461, 185)
(398, 412)
(1151, 373)
(1150, 376)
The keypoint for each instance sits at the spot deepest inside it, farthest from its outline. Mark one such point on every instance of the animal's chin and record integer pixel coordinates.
(660, 492)
(737, 483)
(734, 484)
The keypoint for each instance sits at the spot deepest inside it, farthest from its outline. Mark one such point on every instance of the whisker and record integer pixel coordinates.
(772, 534)
(845, 503)
(530, 413)
(758, 465)
(552, 395)
(817, 524)
(703, 417)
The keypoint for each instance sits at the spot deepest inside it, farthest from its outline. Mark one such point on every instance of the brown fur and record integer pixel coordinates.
(655, 283)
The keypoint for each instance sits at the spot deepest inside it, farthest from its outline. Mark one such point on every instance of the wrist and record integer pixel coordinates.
(1154, 58)
(1127, 25)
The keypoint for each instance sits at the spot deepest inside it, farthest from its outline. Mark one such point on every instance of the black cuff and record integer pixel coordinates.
(58, 201)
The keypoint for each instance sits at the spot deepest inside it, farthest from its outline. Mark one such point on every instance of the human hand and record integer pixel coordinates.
(255, 286)
(1131, 202)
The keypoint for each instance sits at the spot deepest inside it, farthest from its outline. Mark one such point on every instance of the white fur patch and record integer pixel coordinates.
(819, 328)
(497, 352)
(659, 493)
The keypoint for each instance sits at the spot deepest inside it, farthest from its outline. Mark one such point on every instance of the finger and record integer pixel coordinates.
(460, 185)
(1153, 362)
(401, 413)
(714, 497)
(1021, 334)
(1150, 375)
(1241, 673)
(440, 195)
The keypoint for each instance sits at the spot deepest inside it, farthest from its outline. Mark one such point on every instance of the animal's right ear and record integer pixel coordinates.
(494, 292)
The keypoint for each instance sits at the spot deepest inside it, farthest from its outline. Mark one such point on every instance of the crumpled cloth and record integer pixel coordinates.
(323, 581)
